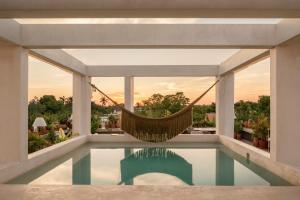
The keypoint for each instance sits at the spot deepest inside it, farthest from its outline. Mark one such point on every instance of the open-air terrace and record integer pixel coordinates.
(148, 99)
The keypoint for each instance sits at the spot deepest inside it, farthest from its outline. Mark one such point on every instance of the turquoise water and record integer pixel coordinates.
(212, 164)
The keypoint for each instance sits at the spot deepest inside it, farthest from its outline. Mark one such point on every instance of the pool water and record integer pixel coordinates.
(211, 164)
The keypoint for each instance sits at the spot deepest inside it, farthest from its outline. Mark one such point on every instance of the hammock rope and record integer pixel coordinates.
(156, 129)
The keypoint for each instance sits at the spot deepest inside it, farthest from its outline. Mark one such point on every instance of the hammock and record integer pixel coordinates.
(156, 130)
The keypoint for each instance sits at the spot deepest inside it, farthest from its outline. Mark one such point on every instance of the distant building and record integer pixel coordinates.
(210, 117)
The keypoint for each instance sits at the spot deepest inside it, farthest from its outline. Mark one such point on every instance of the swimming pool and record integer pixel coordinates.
(95, 164)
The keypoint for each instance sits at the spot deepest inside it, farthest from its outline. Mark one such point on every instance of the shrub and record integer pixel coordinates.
(63, 117)
(51, 137)
(112, 119)
(238, 126)
(94, 124)
(35, 143)
(50, 119)
(261, 128)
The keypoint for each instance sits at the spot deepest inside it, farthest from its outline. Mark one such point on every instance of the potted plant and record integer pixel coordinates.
(261, 129)
(112, 121)
(255, 139)
(237, 129)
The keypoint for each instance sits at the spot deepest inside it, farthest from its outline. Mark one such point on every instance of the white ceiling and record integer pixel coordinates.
(151, 56)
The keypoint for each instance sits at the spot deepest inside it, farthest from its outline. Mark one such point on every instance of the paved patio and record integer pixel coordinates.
(29, 192)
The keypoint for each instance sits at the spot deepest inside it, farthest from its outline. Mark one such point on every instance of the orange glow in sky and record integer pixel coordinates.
(249, 83)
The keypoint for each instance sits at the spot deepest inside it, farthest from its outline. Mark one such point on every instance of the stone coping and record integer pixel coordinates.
(80, 192)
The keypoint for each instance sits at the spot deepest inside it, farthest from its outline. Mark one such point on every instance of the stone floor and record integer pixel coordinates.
(29, 192)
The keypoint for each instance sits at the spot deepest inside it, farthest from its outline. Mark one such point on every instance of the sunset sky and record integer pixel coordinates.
(250, 82)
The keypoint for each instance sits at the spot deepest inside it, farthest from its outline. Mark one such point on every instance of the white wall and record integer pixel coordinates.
(13, 106)
(285, 103)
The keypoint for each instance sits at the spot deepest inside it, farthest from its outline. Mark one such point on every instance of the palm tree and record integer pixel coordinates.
(63, 99)
(138, 105)
(103, 101)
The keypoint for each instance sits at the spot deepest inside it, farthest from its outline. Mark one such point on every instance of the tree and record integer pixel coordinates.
(263, 105)
(138, 105)
(158, 105)
(153, 106)
(51, 104)
(199, 115)
(174, 103)
(103, 101)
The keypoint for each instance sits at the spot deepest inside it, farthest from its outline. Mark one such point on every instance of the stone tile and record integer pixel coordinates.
(29, 192)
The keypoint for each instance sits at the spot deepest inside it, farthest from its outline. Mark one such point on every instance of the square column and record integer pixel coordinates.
(129, 92)
(14, 103)
(81, 120)
(225, 105)
(285, 103)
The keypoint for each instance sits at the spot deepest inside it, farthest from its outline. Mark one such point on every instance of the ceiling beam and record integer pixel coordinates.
(242, 59)
(10, 31)
(287, 29)
(60, 59)
(149, 8)
(242, 36)
(149, 36)
(69, 63)
(153, 70)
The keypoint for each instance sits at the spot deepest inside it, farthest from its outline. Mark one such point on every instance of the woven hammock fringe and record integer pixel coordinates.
(155, 130)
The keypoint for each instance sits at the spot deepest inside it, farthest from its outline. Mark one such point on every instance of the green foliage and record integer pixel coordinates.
(174, 103)
(35, 142)
(61, 139)
(100, 109)
(50, 108)
(153, 106)
(199, 115)
(94, 124)
(262, 126)
(112, 119)
(51, 104)
(31, 118)
(247, 110)
(238, 127)
(53, 111)
(51, 137)
(63, 117)
(263, 105)
(50, 118)
(158, 105)
(204, 123)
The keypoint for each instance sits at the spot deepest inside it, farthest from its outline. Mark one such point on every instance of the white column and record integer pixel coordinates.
(285, 103)
(81, 104)
(225, 105)
(129, 93)
(13, 103)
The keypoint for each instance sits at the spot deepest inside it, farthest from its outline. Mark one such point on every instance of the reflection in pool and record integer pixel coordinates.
(213, 165)
(155, 160)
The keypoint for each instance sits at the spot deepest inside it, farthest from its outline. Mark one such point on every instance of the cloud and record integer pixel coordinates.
(168, 86)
